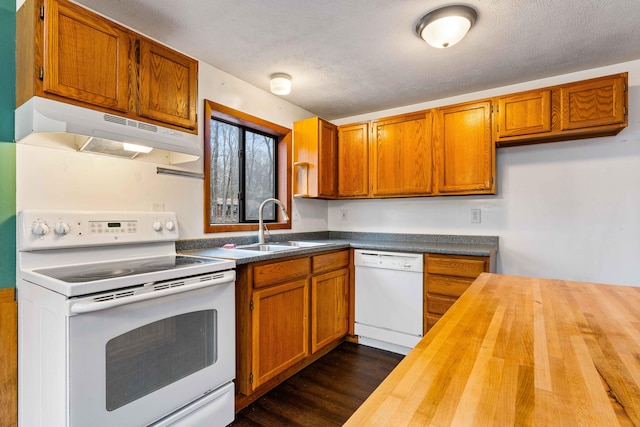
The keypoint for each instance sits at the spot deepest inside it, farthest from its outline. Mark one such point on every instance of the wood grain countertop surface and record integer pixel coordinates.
(520, 351)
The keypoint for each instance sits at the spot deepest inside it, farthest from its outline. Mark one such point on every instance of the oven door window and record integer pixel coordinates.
(152, 356)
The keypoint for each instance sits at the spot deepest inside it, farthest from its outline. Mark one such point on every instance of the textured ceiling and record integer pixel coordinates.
(349, 57)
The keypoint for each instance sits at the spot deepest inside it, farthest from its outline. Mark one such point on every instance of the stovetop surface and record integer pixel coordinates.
(83, 273)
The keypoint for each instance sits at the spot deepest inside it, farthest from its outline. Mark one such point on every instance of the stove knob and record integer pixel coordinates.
(170, 225)
(157, 225)
(40, 229)
(61, 229)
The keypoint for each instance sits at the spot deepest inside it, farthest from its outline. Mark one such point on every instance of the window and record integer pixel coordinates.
(246, 162)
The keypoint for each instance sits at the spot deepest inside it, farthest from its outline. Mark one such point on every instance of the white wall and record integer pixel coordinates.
(568, 210)
(57, 178)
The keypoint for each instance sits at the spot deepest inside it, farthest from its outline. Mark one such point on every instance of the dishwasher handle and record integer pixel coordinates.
(402, 261)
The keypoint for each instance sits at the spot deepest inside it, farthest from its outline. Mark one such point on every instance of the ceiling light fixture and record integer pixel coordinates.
(446, 26)
(280, 84)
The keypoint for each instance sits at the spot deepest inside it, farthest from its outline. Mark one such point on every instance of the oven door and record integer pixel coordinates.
(133, 363)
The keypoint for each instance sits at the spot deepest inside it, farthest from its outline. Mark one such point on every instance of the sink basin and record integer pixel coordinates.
(279, 246)
(298, 243)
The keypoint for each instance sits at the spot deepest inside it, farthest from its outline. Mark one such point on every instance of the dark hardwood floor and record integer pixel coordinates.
(325, 393)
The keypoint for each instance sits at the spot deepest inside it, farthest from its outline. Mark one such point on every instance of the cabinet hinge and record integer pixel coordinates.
(497, 128)
(251, 305)
(624, 111)
(624, 87)
(42, 12)
(251, 378)
(41, 73)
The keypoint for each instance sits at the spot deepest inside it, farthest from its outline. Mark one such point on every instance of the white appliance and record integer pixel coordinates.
(46, 116)
(388, 299)
(116, 329)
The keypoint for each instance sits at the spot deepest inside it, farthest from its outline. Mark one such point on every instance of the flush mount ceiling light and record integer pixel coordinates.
(446, 26)
(280, 84)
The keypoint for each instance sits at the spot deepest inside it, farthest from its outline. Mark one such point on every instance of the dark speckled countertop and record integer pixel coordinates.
(417, 243)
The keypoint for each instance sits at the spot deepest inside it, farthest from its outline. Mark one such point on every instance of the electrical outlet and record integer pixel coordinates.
(344, 215)
(475, 215)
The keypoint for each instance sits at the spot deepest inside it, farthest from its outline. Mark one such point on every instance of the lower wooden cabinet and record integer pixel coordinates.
(446, 278)
(279, 329)
(329, 308)
(289, 312)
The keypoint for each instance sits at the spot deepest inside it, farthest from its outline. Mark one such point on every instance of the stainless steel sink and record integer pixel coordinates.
(279, 246)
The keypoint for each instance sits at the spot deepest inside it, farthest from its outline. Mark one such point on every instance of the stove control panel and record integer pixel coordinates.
(41, 229)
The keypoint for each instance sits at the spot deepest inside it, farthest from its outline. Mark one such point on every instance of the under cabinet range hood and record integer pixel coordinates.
(42, 121)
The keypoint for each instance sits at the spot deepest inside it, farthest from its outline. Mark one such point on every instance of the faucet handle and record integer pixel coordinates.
(267, 232)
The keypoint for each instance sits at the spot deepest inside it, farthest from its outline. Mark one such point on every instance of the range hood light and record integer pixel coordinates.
(135, 147)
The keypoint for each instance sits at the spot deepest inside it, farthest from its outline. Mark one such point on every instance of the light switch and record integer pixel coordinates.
(475, 215)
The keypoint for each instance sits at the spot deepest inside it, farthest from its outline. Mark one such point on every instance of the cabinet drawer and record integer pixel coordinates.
(447, 285)
(439, 304)
(456, 266)
(276, 272)
(330, 261)
(432, 319)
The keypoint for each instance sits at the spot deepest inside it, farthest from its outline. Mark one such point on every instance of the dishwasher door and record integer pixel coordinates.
(389, 299)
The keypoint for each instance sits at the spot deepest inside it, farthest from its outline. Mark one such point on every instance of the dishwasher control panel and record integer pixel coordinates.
(389, 260)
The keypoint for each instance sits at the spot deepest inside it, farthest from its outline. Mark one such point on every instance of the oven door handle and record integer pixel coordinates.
(92, 305)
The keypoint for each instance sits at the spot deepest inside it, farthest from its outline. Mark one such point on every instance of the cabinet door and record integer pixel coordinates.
(327, 159)
(315, 155)
(279, 329)
(524, 113)
(597, 102)
(464, 149)
(353, 167)
(329, 307)
(86, 58)
(168, 85)
(401, 159)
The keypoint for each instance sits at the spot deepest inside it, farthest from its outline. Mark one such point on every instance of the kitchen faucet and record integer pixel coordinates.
(285, 216)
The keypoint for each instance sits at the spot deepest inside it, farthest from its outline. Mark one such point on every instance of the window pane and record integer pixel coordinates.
(225, 178)
(259, 175)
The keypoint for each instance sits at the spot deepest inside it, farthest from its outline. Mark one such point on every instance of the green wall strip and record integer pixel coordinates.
(7, 147)
(8, 69)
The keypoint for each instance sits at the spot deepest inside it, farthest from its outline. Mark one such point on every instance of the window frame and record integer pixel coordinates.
(283, 164)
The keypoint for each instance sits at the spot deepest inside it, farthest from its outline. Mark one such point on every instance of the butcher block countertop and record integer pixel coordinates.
(520, 351)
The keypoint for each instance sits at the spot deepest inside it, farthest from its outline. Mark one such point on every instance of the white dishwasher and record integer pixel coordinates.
(388, 299)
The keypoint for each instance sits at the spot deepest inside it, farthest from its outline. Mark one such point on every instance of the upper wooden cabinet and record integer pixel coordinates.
(168, 85)
(401, 157)
(70, 54)
(585, 109)
(524, 113)
(592, 103)
(353, 165)
(315, 156)
(85, 57)
(464, 149)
